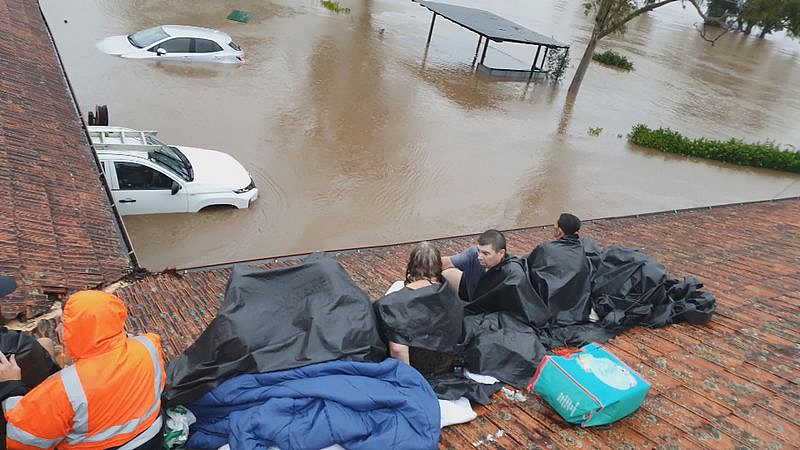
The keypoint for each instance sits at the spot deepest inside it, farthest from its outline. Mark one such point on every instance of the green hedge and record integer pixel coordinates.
(613, 58)
(734, 151)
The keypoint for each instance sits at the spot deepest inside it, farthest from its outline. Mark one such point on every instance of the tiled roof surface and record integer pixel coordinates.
(57, 230)
(733, 383)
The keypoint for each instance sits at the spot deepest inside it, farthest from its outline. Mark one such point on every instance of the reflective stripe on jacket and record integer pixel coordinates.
(110, 397)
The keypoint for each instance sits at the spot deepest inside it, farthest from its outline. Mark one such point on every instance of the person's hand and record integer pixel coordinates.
(9, 370)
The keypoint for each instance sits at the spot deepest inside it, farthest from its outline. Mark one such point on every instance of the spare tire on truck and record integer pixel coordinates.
(101, 115)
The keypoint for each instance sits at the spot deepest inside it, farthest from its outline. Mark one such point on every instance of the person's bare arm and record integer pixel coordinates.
(447, 263)
(399, 351)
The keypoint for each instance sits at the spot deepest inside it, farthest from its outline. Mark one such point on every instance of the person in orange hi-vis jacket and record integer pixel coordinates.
(110, 398)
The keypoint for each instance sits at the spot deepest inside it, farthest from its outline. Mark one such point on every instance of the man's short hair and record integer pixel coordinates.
(493, 238)
(569, 223)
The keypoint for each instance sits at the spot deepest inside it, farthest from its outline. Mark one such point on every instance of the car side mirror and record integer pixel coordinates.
(175, 187)
(160, 51)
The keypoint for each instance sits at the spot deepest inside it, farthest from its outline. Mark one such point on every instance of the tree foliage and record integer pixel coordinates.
(610, 16)
(768, 15)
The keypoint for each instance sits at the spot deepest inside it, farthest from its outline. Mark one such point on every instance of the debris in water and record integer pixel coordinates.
(239, 16)
(334, 6)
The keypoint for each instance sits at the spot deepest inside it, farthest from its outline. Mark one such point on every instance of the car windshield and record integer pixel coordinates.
(153, 141)
(146, 37)
(173, 159)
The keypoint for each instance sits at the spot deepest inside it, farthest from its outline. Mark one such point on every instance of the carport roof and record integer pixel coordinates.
(57, 230)
(491, 25)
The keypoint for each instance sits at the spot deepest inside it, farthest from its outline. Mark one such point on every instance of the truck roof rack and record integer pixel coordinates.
(121, 137)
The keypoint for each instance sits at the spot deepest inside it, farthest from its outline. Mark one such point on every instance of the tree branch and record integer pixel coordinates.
(614, 26)
(721, 20)
(702, 31)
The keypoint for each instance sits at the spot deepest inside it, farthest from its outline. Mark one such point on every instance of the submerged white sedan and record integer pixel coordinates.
(175, 42)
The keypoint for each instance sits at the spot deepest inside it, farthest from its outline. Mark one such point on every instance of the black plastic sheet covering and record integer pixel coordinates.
(34, 361)
(561, 273)
(278, 319)
(689, 303)
(576, 335)
(429, 318)
(629, 289)
(453, 386)
(503, 346)
(506, 287)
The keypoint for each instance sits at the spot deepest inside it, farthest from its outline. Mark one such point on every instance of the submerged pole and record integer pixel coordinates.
(544, 57)
(535, 59)
(477, 49)
(485, 46)
(430, 32)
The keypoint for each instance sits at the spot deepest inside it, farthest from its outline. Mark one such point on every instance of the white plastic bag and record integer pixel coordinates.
(178, 421)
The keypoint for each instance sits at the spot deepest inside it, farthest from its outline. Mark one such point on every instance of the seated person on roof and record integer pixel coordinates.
(492, 280)
(421, 317)
(465, 270)
(561, 271)
(35, 357)
(110, 397)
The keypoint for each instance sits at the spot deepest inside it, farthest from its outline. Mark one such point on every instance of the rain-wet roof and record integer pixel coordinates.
(58, 232)
(731, 383)
(490, 25)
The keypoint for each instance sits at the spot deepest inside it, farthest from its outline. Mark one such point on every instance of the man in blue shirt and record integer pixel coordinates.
(464, 271)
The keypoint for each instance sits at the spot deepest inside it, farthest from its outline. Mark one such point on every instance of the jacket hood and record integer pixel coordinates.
(94, 323)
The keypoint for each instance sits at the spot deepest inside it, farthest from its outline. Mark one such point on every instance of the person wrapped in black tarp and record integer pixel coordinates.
(35, 357)
(278, 319)
(421, 319)
(561, 272)
(491, 280)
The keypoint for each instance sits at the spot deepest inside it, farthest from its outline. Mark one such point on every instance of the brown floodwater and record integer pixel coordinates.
(357, 136)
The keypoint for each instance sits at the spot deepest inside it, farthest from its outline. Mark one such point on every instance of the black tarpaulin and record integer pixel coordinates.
(34, 361)
(503, 346)
(428, 318)
(278, 319)
(453, 386)
(561, 273)
(689, 303)
(506, 287)
(629, 289)
(576, 335)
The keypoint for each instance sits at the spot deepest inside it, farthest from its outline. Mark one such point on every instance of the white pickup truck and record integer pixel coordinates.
(147, 176)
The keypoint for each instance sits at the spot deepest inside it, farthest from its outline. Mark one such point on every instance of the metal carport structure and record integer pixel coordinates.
(490, 26)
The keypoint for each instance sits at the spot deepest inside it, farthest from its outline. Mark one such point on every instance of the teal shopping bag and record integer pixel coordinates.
(591, 387)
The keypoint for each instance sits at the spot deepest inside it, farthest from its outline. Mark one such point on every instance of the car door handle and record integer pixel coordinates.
(127, 200)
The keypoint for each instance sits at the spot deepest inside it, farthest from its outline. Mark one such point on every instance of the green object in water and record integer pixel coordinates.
(239, 16)
(335, 7)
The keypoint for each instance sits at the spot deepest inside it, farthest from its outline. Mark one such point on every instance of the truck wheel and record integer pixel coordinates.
(91, 118)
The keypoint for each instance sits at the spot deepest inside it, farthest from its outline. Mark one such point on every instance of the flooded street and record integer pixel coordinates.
(356, 136)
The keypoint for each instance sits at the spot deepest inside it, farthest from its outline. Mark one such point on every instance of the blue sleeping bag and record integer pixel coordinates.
(386, 405)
